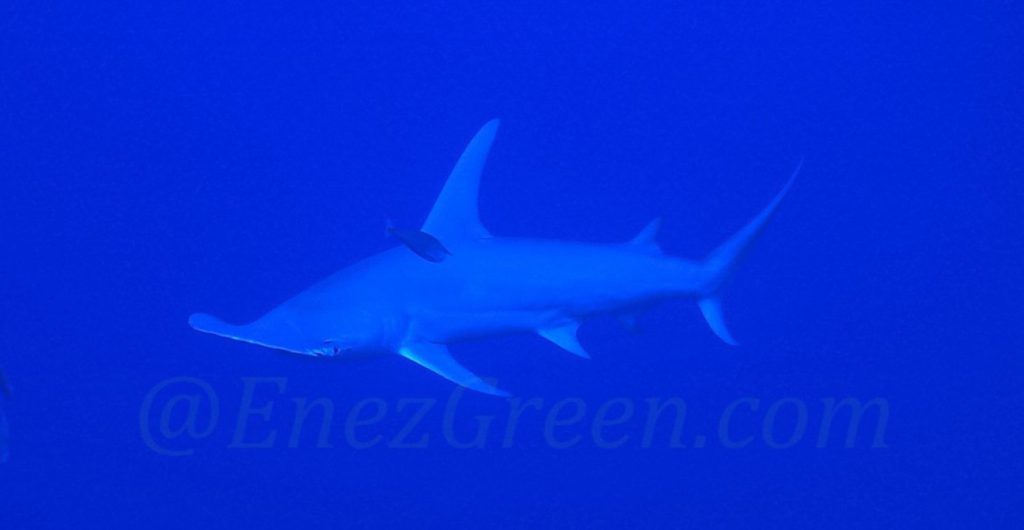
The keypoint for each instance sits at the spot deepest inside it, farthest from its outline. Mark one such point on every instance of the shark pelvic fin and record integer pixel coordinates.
(455, 216)
(565, 338)
(437, 358)
(646, 239)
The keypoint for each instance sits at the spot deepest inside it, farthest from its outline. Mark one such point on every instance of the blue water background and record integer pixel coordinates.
(174, 157)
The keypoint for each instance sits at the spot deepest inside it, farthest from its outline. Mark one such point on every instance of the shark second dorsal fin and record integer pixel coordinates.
(646, 239)
(455, 217)
(436, 358)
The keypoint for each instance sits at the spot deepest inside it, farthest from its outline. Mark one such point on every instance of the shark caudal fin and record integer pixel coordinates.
(721, 263)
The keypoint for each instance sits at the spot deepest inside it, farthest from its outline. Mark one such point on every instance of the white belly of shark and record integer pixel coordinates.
(452, 281)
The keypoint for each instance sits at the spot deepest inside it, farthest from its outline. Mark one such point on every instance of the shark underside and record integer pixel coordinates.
(452, 281)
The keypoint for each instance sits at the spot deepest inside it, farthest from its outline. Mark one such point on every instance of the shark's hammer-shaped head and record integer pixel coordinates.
(339, 333)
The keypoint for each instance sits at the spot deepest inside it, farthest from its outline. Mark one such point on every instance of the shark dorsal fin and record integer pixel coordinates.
(646, 239)
(455, 217)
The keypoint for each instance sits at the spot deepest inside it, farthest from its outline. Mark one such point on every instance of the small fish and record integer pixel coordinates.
(423, 244)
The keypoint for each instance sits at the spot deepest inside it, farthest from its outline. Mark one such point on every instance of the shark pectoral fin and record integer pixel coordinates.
(437, 358)
(565, 337)
(712, 309)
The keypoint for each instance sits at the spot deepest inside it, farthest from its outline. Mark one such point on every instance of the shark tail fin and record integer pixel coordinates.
(721, 263)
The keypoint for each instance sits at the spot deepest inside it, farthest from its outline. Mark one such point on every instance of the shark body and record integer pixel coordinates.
(400, 301)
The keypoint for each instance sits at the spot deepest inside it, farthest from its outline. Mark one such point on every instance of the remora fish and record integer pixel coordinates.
(423, 244)
(397, 302)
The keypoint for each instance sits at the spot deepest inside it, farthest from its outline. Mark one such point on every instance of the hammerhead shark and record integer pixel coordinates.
(452, 281)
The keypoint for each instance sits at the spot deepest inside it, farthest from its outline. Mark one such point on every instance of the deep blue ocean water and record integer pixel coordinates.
(159, 159)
